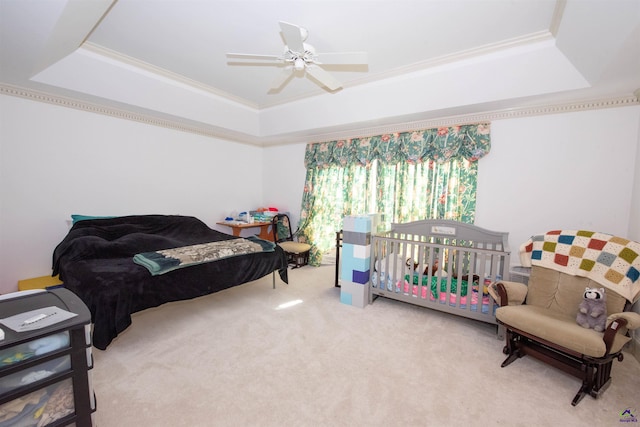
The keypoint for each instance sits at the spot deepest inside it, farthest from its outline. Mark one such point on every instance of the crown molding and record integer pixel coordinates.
(401, 126)
(148, 119)
(486, 117)
(556, 19)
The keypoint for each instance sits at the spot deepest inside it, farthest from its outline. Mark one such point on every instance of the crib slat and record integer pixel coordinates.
(400, 260)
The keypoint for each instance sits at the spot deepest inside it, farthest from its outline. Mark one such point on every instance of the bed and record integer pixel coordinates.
(440, 264)
(96, 262)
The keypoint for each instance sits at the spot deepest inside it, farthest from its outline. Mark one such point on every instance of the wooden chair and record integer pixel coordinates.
(297, 252)
(540, 321)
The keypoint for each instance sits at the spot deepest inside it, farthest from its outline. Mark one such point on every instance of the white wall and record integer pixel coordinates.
(284, 177)
(571, 171)
(634, 224)
(634, 230)
(56, 161)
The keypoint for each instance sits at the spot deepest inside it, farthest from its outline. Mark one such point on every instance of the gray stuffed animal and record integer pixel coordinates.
(592, 311)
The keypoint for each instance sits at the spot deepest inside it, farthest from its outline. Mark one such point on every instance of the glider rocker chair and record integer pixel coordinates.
(540, 318)
(297, 252)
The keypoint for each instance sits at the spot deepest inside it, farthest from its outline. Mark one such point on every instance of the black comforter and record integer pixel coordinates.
(95, 261)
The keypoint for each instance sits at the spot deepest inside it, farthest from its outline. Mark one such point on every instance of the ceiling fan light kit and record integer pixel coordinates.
(300, 56)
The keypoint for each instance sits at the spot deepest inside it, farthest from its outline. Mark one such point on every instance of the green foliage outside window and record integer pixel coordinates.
(404, 176)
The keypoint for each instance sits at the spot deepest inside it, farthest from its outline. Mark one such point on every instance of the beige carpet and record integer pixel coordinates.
(235, 359)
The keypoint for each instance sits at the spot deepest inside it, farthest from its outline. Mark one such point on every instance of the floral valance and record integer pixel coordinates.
(471, 142)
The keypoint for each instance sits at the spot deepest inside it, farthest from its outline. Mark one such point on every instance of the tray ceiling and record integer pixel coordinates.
(426, 59)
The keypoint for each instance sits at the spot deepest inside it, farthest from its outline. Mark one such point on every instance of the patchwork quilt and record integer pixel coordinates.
(613, 262)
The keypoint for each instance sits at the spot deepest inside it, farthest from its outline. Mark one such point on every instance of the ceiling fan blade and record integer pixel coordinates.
(292, 36)
(282, 78)
(340, 58)
(323, 77)
(254, 57)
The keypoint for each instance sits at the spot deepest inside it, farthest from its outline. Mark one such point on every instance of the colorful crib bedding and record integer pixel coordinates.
(439, 264)
(434, 292)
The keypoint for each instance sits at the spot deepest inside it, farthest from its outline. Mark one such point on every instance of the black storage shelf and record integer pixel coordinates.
(78, 353)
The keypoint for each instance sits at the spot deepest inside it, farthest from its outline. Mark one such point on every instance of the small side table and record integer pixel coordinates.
(236, 228)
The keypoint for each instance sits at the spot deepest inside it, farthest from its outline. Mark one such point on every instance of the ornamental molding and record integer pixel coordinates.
(488, 116)
(407, 126)
(175, 124)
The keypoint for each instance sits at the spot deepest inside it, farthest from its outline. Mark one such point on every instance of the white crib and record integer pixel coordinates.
(430, 263)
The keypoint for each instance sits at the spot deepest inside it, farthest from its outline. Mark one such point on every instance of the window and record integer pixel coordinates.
(406, 176)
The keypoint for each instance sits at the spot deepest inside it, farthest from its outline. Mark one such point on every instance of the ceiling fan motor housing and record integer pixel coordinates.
(300, 59)
(300, 56)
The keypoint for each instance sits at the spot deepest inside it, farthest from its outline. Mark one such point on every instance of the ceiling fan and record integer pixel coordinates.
(300, 57)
